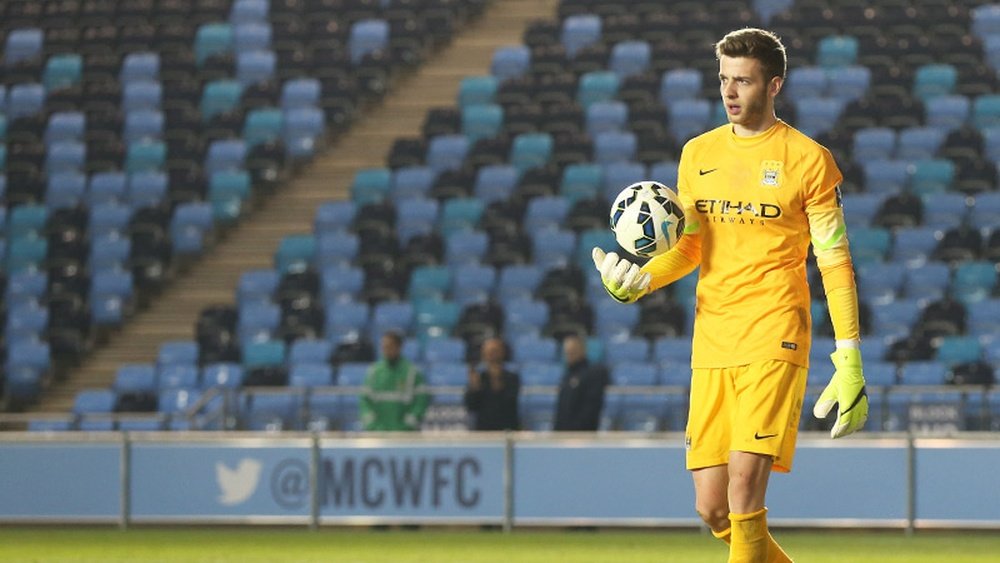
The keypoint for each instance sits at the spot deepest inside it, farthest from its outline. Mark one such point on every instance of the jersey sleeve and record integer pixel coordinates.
(685, 256)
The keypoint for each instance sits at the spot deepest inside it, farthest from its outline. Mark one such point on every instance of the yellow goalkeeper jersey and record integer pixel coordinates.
(752, 200)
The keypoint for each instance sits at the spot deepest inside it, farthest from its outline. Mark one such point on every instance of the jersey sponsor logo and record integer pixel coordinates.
(737, 212)
(770, 173)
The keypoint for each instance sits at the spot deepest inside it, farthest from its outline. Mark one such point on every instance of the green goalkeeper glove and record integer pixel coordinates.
(621, 278)
(847, 390)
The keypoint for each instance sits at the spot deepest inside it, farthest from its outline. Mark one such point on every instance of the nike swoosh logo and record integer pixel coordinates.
(757, 436)
(703, 172)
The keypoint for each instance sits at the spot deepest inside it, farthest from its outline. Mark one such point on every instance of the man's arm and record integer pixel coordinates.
(366, 406)
(418, 405)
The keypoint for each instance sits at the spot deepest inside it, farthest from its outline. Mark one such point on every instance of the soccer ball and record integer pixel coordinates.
(647, 219)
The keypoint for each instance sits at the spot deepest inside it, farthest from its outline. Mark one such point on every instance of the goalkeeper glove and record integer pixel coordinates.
(847, 390)
(621, 278)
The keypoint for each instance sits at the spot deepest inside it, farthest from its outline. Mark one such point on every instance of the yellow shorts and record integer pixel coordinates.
(752, 408)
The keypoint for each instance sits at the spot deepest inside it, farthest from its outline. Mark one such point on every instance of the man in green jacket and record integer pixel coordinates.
(394, 398)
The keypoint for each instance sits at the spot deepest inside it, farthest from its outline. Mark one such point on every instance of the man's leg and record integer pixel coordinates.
(750, 540)
(711, 500)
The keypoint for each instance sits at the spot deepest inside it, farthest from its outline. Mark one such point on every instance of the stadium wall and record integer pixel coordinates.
(891, 480)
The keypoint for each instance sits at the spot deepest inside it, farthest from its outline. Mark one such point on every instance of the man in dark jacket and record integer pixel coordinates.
(581, 391)
(493, 390)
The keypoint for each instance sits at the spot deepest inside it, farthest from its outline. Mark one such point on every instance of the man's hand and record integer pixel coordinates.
(621, 278)
(847, 390)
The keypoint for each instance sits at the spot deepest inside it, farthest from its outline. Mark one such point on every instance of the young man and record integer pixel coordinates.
(394, 399)
(756, 192)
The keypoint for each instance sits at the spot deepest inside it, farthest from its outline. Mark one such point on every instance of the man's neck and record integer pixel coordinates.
(763, 125)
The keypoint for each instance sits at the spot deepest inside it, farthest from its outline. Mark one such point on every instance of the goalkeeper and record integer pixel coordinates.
(756, 192)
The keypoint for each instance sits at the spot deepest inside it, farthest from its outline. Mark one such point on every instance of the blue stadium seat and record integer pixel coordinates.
(535, 349)
(634, 373)
(984, 318)
(932, 176)
(510, 62)
(879, 282)
(62, 71)
(145, 155)
(524, 315)
(886, 176)
(679, 84)
(251, 37)
(352, 374)
(258, 321)
(688, 117)
(25, 285)
(531, 150)
(597, 86)
(338, 247)
(477, 90)
(411, 182)
(860, 209)
(255, 66)
(837, 51)
(65, 190)
(460, 214)
(27, 364)
(341, 283)
(944, 210)
(143, 124)
(919, 142)
(94, 401)
(914, 246)
(541, 373)
(25, 100)
(371, 185)
(878, 373)
(65, 156)
(272, 411)
(296, 253)
(947, 112)
(579, 31)
(985, 20)
(581, 181)
(229, 154)
(518, 280)
(849, 83)
(545, 213)
(642, 413)
(110, 295)
(817, 115)
(618, 350)
(245, 11)
(219, 96)
(65, 126)
(985, 212)
(606, 116)
(932, 80)
(178, 376)
(142, 95)
(481, 121)
(391, 315)
(974, 281)
(22, 45)
(212, 39)
(870, 244)
(923, 373)
(367, 36)
(615, 146)
(873, 143)
(222, 374)
(105, 187)
(26, 253)
(26, 320)
(135, 378)
(929, 282)
(553, 248)
(445, 349)
(256, 285)
(473, 283)
(266, 353)
(190, 224)
(147, 189)
(986, 111)
(140, 66)
(429, 282)
(334, 216)
(447, 152)
(177, 352)
(310, 375)
(806, 82)
(495, 182)
(312, 351)
(346, 320)
(300, 92)
(303, 132)
(629, 58)
(466, 248)
(228, 192)
(954, 350)
(894, 319)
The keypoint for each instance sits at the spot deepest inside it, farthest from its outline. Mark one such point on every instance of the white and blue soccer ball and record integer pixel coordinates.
(647, 219)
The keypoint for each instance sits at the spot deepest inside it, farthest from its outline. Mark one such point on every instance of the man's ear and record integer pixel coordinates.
(775, 85)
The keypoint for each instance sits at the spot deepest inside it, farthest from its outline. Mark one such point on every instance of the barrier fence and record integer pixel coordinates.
(509, 480)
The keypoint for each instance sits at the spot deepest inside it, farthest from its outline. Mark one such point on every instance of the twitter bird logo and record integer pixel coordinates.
(237, 485)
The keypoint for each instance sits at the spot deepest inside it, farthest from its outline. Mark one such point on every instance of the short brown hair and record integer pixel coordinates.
(754, 43)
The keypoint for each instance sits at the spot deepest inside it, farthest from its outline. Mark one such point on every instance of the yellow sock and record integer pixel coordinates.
(774, 552)
(749, 537)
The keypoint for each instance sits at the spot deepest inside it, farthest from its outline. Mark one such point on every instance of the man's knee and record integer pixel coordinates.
(716, 515)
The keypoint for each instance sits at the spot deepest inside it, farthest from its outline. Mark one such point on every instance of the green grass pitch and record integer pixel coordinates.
(222, 544)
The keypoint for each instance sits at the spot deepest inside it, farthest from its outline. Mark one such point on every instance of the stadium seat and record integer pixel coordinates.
(190, 225)
(477, 90)
(932, 176)
(849, 83)
(310, 375)
(679, 84)
(366, 37)
(629, 58)
(919, 143)
(495, 182)
(139, 67)
(578, 32)
(806, 82)
(255, 66)
(597, 86)
(873, 143)
(974, 281)
(837, 51)
(510, 62)
(929, 281)
(553, 248)
(22, 45)
(212, 39)
(934, 80)
(688, 117)
(481, 121)
(923, 373)
(177, 352)
(534, 349)
(947, 112)
(531, 150)
(225, 375)
(986, 111)
(954, 350)
(25, 100)
(446, 152)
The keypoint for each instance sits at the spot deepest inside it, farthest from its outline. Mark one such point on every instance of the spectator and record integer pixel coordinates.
(493, 390)
(581, 391)
(394, 398)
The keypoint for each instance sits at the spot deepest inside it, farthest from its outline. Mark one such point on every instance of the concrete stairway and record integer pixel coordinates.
(213, 279)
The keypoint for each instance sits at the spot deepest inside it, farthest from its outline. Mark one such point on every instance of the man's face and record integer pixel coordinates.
(572, 350)
(748, 98)
(492, 351)
(390, 349)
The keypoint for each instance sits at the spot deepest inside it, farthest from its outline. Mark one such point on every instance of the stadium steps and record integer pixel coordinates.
(252, 243)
